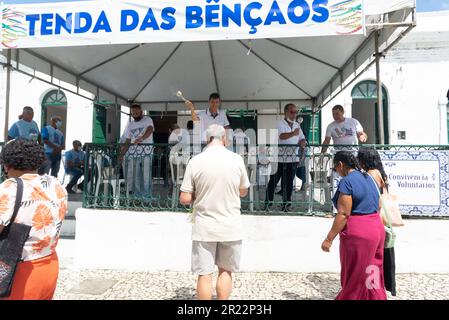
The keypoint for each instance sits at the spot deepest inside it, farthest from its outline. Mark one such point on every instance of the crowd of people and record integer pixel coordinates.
(53, 141)
(215, 180)
(213, 183)
(31, 161)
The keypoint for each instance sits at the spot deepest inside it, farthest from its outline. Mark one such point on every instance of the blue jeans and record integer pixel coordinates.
(52, 164)
(139, 175)
(301, 174)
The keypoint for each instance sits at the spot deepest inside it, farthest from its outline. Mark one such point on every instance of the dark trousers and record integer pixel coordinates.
(390, 271)
(301, 174)
(286, 172)
(76, 173)
(52, 163)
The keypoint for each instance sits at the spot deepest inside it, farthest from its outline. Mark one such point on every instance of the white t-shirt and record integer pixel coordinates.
(289, 154)
(136, 129)
(206, 119)
(216, 176)
(345, 132)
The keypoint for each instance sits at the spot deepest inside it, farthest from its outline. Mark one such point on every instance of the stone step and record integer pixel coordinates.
(72, 206)
(69, 224)
(68, 227)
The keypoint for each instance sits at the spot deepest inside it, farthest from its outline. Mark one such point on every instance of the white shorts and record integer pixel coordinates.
(205, 255)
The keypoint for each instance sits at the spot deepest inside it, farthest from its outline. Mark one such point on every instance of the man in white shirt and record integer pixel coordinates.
(214, 181)
(210, 116)
(343, 131)
(138, 158)
(290, 133)
(176, 134)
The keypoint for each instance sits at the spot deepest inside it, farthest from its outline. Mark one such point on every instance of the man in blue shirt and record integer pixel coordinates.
(25, 127)
(74, 165)
(53, 143)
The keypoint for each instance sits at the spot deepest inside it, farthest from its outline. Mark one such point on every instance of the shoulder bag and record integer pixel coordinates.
(390, 204)
(390, 235)
(12, 240)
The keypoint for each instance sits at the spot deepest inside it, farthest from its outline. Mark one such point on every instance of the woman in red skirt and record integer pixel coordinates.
(361, 231)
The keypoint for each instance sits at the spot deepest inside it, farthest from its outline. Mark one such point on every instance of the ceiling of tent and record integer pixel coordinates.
(278, 69)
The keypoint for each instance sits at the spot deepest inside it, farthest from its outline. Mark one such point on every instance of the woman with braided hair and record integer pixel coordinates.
(370, 161)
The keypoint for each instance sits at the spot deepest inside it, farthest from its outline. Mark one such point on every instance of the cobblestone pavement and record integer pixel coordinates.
(109, 285)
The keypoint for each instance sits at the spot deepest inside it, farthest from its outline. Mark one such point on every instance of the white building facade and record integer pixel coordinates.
(415, 77)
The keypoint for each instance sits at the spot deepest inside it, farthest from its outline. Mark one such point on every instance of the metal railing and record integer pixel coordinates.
(149, 177)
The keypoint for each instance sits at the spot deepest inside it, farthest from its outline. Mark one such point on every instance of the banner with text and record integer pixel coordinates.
(420, 179)
(144, 21)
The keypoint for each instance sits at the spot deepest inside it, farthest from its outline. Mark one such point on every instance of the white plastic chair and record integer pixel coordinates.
(178, 176)
(252, 171)
(105, 179)
(321, 173)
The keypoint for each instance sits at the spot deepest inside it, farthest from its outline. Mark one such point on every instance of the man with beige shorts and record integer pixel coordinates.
(214, 181)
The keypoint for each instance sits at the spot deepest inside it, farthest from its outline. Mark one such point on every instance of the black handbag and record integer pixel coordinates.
(12, 240)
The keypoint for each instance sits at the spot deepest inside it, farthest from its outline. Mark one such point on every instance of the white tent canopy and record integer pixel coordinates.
(243, 71)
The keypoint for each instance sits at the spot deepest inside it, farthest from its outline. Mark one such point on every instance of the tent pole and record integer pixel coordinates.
(8, 91)
(367, 67)
(314, 112)
(379, 92)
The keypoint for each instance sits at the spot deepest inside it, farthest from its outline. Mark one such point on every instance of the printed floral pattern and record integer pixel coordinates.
(4, 207)
(42, 217)
(44, 206)
(42, 244)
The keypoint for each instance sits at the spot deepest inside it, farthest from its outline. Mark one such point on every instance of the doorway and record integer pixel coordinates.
(310, 125)
(364, 109)
(54, 103)
(106, 122)
(162, 123)
(99, 125)
(242, 119)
